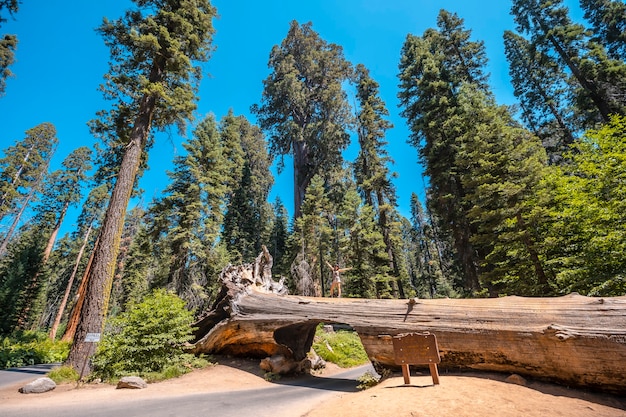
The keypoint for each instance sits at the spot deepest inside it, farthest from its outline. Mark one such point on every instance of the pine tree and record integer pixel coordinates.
(279, 237)
(186, 221)
(24, 169)
(501, 165)
(599, 81)
(88, 221)
(314, 240)
(22, 164)
(608, 22)
(371, 167)
(247, 219)
(432, 69)
(64, 190)
(424, 257)
(18, 294)
(540, 85)
(304, 108)
(8, 44)
(363, 249)
(154, 83)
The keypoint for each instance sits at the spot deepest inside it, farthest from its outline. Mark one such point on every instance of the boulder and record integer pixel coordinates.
(38, 386)
(132, 382)
(516, 379)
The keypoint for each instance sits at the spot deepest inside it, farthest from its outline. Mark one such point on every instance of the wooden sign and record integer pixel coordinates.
(416, 349)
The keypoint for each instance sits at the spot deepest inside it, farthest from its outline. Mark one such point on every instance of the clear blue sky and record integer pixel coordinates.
(61, 61)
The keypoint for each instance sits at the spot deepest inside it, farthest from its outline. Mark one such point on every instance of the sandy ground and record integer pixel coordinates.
(462, 394)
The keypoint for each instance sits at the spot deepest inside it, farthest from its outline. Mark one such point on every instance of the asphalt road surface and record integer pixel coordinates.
(289, 398)
(26, 374)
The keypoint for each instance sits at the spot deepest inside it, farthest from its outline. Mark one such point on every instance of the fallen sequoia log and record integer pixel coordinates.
(573, 340)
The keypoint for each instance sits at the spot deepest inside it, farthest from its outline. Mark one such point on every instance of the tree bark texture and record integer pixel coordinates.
(100, 275)
(573, 340)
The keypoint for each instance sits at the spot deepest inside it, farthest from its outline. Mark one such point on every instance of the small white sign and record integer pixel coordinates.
(92, 337)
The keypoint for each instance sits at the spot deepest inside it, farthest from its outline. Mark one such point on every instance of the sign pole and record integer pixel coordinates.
(91, 338)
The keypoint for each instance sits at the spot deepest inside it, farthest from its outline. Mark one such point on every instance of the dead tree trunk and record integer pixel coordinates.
(574, 340)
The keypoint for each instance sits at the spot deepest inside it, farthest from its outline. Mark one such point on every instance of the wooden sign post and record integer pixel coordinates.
(416, 349)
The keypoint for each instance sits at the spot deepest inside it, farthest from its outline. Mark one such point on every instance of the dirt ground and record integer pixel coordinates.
(460, 394)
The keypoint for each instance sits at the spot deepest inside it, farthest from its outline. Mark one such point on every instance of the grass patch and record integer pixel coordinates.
(343, 348)
(63, 374)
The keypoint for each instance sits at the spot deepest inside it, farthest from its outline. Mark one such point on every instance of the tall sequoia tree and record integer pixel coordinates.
(304, 108)
(88, 221)
(8, 43)
(154, 82)
(432, 69)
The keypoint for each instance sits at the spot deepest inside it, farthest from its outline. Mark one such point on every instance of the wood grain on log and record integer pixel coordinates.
(574, 340)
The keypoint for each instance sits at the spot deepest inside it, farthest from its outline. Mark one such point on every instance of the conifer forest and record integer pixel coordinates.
(526, 199)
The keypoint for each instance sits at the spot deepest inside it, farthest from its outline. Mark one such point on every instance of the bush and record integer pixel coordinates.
(27, 348)
(368, 380)
(147, 339)
(343, 348)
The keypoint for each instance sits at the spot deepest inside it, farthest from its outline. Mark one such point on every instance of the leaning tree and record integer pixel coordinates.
(154, 81)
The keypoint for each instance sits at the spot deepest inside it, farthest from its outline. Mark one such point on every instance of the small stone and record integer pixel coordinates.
(516, 379)
(328, 328)
(132, 382)
(38, 386)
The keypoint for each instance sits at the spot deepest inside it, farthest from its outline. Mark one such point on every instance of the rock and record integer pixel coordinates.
(132, 382)
(38, 386)
(328, 328)
(279, 364)
(516, 379)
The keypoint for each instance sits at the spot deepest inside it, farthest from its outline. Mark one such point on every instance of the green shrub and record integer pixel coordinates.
(367, 380)
(343, 348)
(30, 348)
(147, 339)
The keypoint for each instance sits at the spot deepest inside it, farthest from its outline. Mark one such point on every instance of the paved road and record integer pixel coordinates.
(25, 374)
(289, 398)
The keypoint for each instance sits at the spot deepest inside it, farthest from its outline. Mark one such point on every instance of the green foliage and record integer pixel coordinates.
(8, 43)
(433, 68)
(304, 107)
(63, 374)
(148, 338)
(367, 380)
(20, 284)
(343, 348)
(29, 348)
(588, 200)
(247, 219)
(24, 166)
